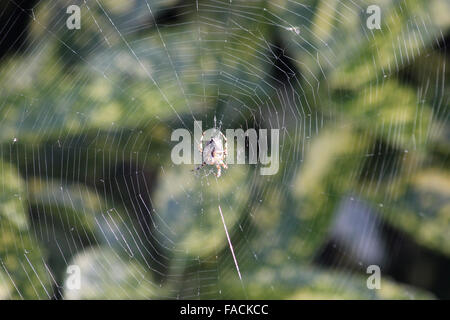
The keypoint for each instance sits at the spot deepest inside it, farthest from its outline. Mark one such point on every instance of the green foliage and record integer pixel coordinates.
(23, 271)
(303, 282)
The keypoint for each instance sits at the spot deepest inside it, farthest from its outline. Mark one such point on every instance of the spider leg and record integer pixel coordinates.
(200, 166)
(225, 147)
(223, 136)
(200, 145)
(218, 170)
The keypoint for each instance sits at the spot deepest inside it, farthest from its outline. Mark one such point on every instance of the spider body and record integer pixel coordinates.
(214, 153)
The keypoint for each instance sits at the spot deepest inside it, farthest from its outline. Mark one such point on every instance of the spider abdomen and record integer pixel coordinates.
(209, 153)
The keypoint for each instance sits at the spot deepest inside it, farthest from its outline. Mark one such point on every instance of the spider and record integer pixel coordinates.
(214, 152)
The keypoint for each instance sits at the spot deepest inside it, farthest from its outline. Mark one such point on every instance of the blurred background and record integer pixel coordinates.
(86, 176)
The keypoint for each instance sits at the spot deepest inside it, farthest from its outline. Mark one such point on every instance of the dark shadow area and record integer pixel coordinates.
(14, 21)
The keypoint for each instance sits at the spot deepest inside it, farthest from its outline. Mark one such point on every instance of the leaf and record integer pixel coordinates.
(22, 261)
(188, 207)
(422, 209)
(105, 275)
(64, 217)
(297, 282)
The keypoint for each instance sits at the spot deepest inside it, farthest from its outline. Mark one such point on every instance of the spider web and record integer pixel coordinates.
(87, 117)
